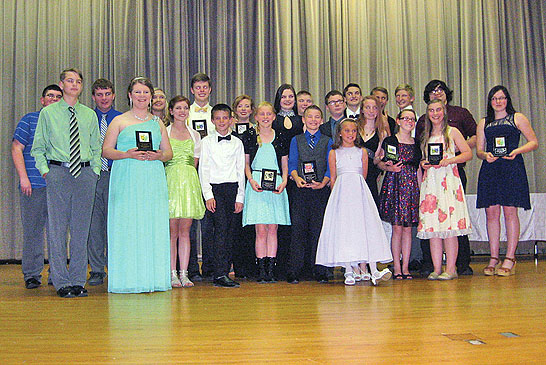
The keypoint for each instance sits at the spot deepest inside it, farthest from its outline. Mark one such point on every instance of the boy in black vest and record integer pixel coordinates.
(308, 166)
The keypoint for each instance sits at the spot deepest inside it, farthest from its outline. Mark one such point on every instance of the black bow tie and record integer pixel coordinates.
(227, 138)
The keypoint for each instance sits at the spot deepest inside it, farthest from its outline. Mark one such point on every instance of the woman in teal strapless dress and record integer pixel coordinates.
(185, 200)
(138, 211)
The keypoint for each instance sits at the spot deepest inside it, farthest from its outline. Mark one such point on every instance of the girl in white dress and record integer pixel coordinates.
(352, 232)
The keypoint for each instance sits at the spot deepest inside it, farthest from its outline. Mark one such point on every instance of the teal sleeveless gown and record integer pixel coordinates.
(138, 219)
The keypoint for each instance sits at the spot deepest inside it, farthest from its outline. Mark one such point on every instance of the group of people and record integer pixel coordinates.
(272, 191)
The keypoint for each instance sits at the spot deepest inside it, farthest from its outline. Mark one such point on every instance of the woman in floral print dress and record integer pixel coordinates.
(443, 214)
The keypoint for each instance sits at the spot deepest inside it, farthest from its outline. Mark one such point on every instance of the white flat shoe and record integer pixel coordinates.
(382, 275)
(349, 278)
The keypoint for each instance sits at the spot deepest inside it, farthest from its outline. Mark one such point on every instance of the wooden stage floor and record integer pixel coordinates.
(403, 322)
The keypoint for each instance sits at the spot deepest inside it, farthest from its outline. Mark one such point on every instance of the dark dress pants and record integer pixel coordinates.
(307, 214)
(224, 221)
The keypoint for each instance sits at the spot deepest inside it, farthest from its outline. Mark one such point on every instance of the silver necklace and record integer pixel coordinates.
(139, 118)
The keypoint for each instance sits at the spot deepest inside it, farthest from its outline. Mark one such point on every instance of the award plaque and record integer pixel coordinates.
(391, 153)
(309, 171)
(435, 153)
(269, 180)
(241, 128)
(200, 125)
(144, 141)
(499, 147)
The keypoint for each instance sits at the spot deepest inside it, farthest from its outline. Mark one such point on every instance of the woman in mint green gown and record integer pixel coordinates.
(138, 211)
(185, 199)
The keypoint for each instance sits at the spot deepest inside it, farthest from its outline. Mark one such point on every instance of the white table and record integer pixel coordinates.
(532, 222)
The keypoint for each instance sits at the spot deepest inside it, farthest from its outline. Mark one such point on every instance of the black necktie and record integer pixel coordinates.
(227, 138)
(75, 157)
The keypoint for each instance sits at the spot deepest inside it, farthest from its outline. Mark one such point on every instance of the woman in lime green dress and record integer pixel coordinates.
(185, 200)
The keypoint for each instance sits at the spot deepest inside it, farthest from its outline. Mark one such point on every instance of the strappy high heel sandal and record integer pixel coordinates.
(175, 282)
(184, 280)
(491, 270)
(503, 271)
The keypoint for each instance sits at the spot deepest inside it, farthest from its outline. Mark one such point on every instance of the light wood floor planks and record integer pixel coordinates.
(405, 322)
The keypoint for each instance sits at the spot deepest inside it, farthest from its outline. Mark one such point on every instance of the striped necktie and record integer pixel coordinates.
(312, 142)
(75, 158)
(103, 128)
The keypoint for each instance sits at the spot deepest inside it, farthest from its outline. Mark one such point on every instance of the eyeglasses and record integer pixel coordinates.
(407, 119)
(53, 96)
(437, 91)
(500, 98)
(336, 102)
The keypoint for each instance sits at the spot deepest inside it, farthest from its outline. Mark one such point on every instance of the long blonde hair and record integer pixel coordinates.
(263, 104)
(381, 123)
(428, 128)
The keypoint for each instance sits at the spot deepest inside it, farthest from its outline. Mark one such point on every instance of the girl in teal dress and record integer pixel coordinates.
(265, 148)
(185, 201)
(138, 211)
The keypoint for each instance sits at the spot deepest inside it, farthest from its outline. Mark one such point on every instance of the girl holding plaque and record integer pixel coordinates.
(399, 156)
(352, 233)
(185, 200)
(266, 200)
(502, 180)
(242, 107)
(443, 214)
(138, 205)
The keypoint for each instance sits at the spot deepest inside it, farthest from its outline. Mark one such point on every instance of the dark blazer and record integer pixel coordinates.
(326, 128)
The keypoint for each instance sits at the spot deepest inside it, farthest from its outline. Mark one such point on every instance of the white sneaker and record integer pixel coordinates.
(349, 278)
(382, 275)
(365, 276)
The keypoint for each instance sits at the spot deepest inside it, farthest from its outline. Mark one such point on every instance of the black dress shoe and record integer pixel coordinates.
(32, 283)
(292, 279)
(79, 291)
(225, 282)
(196, 278)
(96, 278)
(465, 271)
(322, 279)
(65, 292)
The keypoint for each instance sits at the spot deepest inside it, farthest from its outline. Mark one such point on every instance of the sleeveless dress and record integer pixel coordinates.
(265, 207)
(503, 182)
(399, 198)
(442, 205)
(352, 231)
(185, 199)
(138, 219)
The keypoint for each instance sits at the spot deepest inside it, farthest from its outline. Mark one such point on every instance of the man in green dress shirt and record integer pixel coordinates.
(70, 187)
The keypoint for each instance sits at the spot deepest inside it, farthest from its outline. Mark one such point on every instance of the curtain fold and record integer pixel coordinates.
(252, 46)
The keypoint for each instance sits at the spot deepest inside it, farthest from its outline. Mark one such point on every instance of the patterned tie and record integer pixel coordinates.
(103, 128)
(312, 142)
(203, 109)
(75, 158)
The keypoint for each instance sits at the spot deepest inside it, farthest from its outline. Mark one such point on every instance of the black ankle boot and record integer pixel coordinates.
(270, 269)
(261, 270)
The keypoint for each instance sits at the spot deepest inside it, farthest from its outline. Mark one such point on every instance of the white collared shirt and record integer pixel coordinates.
(222, 162)
(350, 113)
(199, 115)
